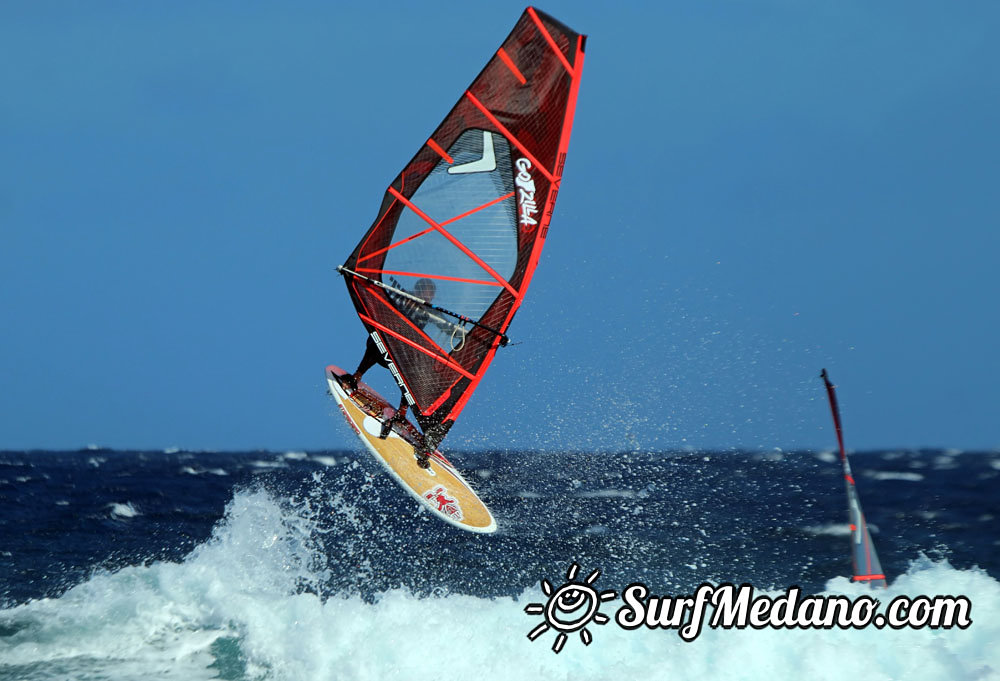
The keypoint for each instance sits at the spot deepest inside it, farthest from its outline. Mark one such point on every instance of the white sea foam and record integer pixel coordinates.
(830, 529)
(188, 470)
(236, 608)
(126, 510)
(946, 461)
(608, 494)
(260, 463)
(897, 475)
(828, 457)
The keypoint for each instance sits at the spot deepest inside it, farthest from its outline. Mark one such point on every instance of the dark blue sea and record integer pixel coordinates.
(315, 565)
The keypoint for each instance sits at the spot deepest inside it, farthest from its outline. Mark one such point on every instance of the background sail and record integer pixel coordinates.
(864, 559)
(470, 213)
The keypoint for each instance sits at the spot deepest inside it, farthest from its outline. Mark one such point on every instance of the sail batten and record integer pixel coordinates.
(548, 38)
(465, 220)
(509, 135)
(430, 275)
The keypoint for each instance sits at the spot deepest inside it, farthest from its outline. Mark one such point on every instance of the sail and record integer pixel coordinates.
(438, 276)
(867, 567)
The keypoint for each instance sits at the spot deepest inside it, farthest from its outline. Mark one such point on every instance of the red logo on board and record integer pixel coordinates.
(445, 503)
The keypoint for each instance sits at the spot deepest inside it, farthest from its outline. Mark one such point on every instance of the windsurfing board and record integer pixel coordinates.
(441, 489)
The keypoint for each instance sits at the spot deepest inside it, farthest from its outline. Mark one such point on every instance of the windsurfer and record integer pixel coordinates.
(425, 290)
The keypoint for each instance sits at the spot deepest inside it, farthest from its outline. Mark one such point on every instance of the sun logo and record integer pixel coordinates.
(570, 608)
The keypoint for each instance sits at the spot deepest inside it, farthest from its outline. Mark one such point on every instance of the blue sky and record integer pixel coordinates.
(754, 191)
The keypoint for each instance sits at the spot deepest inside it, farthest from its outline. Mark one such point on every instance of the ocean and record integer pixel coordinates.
(316, 565)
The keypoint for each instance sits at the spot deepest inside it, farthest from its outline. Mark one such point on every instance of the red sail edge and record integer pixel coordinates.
(470, 213)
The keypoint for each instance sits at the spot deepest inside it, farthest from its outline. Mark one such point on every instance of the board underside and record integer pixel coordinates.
(440, 489)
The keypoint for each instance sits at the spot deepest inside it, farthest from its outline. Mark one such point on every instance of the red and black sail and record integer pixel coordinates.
(470, 213)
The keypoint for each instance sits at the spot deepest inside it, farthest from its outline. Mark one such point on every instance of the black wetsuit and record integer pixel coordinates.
(414, 311)
(418, 314)
(409, 307)
(372, 357)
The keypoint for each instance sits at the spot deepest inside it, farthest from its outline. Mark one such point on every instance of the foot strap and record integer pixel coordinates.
(348, 381)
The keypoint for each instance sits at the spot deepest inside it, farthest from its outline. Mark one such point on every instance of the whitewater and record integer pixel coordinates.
(317, 567)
